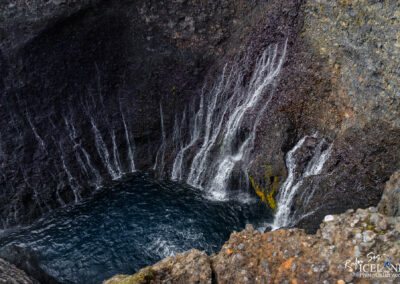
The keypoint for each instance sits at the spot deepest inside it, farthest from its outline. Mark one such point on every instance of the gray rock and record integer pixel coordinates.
(369, 236)
(26, 259)
(390, 203)
(9, 274)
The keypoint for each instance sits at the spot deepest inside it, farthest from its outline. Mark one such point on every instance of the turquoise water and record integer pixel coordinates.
(130, 225)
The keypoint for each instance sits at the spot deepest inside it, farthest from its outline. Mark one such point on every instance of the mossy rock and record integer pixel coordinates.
(144, 276)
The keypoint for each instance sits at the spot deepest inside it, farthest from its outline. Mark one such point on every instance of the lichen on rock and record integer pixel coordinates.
(390, 202)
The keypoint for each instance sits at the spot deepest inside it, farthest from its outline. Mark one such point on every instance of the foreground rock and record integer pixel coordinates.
(27, 260)
(390, 202)
(10, 274)
(348, 248)
(189, 267)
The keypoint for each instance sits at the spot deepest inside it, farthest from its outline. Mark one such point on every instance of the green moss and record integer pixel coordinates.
(372, 227)
(144, 276)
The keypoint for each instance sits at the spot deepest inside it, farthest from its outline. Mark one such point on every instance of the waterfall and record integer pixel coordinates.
(161, 151)
(81, 163)
(197, 168)
(128, 141)
(92, 168)
(294, 180)
(39, 139)
(2, 150)
(71, 180)
(194, 136)
(219, 125)
(59, 199)
(117, 163)
(70, 128)
(102, 150)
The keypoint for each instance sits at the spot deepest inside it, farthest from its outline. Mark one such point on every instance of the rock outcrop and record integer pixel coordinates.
(26, 260)
(348, 248)
(390, 202)
(10, 274)
(190, 267)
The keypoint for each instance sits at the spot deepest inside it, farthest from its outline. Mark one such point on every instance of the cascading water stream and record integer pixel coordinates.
(220, 121)
(117, 163)
(71, 180)
(128, 141)
(103, 152)
(160, 162)
(194, 136)
(39, 139)
(288, 190)
(92, 168)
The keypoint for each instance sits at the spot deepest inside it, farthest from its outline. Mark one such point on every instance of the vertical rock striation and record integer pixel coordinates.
(82, 83)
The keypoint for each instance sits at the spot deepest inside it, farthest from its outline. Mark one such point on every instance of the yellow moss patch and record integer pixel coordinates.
(268, 192)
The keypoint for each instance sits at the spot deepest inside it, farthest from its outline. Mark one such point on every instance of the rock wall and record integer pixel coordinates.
(82, 83)
(340, 83)
(81, 88)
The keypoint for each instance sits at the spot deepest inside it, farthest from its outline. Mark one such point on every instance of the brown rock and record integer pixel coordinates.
(390, 202)
(260, 261)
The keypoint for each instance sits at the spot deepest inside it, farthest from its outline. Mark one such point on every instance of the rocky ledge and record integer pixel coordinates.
(9, 274)
(348, 248)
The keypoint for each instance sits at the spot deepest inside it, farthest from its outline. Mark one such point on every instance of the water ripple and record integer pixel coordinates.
(131, 225)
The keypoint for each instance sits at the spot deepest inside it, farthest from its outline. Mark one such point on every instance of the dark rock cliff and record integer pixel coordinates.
(80, 75)
(10, 274)
(82, 83)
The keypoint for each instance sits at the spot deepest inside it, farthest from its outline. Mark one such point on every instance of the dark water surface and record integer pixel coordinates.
(131, 225)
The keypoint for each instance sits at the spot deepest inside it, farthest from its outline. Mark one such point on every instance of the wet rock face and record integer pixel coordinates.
(81, 86)
(356, 42)
(335, 83)
(329, 256)
(82, 83)
(354, 176)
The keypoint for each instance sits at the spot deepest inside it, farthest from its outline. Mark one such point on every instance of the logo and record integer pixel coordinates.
(387, 263)
(373, 266)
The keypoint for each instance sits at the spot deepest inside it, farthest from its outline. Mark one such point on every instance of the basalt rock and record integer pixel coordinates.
(339, 83)
(82, 83)
(10, 274)
(26, 260)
